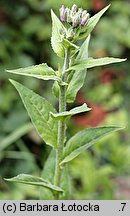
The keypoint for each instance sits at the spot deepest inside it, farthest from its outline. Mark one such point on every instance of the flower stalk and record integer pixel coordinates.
(50, 124)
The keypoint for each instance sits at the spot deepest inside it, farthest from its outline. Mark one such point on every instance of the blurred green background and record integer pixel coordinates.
(102, 172)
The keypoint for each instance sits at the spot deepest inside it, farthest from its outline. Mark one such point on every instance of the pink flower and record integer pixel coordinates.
(62, 13)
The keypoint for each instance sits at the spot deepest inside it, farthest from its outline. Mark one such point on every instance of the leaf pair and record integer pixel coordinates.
(79, 68)
(43, 114)
(76, 145)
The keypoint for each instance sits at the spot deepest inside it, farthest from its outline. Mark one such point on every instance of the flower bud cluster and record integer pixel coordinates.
(74, 16)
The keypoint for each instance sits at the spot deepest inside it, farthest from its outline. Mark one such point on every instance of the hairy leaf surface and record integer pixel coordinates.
(56, 40)
(83, 140)
(83, 52)
(78, 77)
(41, 71)
(91, 62)
(65, 184)
(93, 22)
(33, 180)
(74, 111)
(48, 173)
(39, 111)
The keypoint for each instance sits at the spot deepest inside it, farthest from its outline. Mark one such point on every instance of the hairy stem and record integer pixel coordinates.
(61, 124)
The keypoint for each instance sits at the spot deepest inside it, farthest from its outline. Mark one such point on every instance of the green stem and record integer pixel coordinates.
(61, 124)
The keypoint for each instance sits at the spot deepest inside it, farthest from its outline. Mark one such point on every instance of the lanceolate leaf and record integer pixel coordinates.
(83, 52)
(48, 173)
(41, 71)
(39, 110)
(92, 22)
(76, 82)
(33, 180)
(56, 40)
(90, 63)
(64, 115)
(78, 77)
(83, 140)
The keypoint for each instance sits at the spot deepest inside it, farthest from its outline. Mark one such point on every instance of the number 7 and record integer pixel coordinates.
(123, 206)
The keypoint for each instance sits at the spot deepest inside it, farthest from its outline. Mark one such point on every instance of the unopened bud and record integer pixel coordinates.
(75, 20)
(68, 15)
(84, 12)
(74, 8)
(85, 17)
(80, 11)
(70, 33)
(62, 13)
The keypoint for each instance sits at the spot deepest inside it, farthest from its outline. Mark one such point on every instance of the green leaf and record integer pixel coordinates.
(90, 63)
(48, 173)
(65, 184)
(78, 77)
(56, 40)
(92, 22)
(83, 52)
(33, 180)
(49, 167)
(76, 82)
(83, 140)
(39, 111)
(41, 71)
(55, 89)
(63, 115)
(70, 45)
